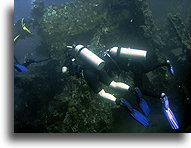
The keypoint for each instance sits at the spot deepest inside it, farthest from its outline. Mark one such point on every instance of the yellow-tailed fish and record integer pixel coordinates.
(22, 22)
(16, 37)
(24, 27)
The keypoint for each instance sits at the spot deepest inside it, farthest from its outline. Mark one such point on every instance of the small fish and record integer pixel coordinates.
(24, 27)
(16, 37)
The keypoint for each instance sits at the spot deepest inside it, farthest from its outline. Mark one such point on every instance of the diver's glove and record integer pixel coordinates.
(168, 112)
(134, 113)
(170, 67)
(71, 46)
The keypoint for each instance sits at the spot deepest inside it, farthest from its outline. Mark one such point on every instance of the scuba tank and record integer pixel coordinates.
(89, 57)
(128, 53)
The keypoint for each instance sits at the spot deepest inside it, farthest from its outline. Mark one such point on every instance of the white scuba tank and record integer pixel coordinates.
(90, 57)
(128, 53)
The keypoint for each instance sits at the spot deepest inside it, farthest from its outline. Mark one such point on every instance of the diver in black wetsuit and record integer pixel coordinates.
(21, 32)
(92, 68)
(31, 61)
(137, 62)
(121, 56)
(23, 67)
(94, 74)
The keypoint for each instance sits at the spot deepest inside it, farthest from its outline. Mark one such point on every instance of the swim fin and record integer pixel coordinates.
(170, 68)
(168, 112)
(20, 68)
(142, 103)
(135, 113)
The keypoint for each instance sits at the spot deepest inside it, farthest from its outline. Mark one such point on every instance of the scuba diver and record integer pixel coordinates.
(128, 59)
(93, 71)
(23, 67)
(97, 73)
(21, 33)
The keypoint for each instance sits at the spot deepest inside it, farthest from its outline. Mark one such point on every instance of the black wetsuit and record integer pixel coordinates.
(139, 70)
(93, 77)
(27, 63)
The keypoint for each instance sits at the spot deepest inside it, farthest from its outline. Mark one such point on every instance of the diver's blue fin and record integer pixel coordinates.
(142, 103)
(20, 68)
(170, 68)
(171, 118)
(168, 112)
(135, 113)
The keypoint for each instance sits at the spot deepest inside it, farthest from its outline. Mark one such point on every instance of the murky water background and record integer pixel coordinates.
(123, 121)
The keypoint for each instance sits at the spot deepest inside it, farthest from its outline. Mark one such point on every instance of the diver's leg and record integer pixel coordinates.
(39, 61)
(138, 81)
(119, 85)
(26, 64)
(152, 93)
(91, 78)
(105, 79)
(105, 95)
(154, 66)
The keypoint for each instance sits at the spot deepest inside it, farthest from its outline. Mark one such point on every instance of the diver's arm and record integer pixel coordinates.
(26, 64)
(43, 60)
(154, 66)
(39, 61)
(105, 95)
(119, 85)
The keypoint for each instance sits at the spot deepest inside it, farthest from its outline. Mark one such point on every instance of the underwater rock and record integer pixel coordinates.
(79, 112)
(64, 102)
(181, 31)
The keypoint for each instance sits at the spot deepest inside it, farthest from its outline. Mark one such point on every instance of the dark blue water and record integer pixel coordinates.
(160, 9)
(22, 9)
